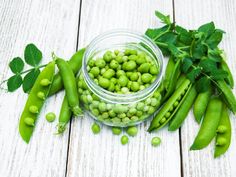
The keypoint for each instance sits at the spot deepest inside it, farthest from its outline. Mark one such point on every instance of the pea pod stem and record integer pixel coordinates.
(226, 135)
(183, 111)
(209, 125)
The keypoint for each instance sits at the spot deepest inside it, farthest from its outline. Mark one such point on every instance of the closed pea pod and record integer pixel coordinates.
(34, 102)
(223, 136)
(70, 85)
(170, 107)
(75, 64)
(182, 113)
(229, 79)
(209, 124)
(200, 104)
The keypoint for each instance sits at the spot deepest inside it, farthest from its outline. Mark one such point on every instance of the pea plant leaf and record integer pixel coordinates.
(14, 82)
(30, 79)
(156, 33)
(193, 74)
(203, 84)
(207, 28)
(207, 65)
(214, 39)
(219, 74)
(187, 63)
(33, 55)
(164, 18)
(16, 65)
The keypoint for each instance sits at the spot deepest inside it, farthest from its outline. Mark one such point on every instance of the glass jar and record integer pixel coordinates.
(115, 109)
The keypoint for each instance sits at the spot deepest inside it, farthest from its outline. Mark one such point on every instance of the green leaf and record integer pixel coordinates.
(198, 50)
(214, 56)
(207, 28)
(214, 39)
(14, 82)
(168, 37)
(16, 65)
(33, 55)
(203, 84)
(219, 74)
(30, 79)
(187, 63)
(164, 18)
(184, 36)
(208, 65)
(155, 33)
(193, 74)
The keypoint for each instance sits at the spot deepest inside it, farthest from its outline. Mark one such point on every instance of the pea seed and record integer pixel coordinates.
(156, 141)
(128, 74)
(45, 82)
(140, 60)
(102, 107)
(114, 80)
(105, 115)
(134, 118)
(154, 102)
(135, 86)
(124, 58)
(89, 98)
(171, 109)
(120, 73)
(133, 57)
(123, 80)
(95, 112)
(126, 120)
(108, 56)
(142, 87)
(132, 131)
(176, 103)
(108, 73)
(121, 115)
(95, 97)
(148, 101)
(91, 63)
(130, 65)
(140, 106)
(117, 88)
(111, 88)
(103, 82)
(127, 52)
(116, 52)
(151, 110)
(95, 71)
(33, 109)
(163, 120)
(144, 68)
(116, 130)
(91, 75)
(146, 77)
(29, 121)
(50, 117)
(112, 113)
(41, 95)
(95, 128)
(146, 108)
(124, 140)
(167, 114)
(221, 129)
(100, 63)
(115, 120)
(132, 111)
(133, 52)
(154, 70)
(124, 90)
(221, 141)
(139, 113)
(114, 64)
(119, 59)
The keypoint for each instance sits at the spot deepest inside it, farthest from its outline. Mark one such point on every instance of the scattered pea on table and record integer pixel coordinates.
(124, 140)
(50, 117)
(156, 141)
(96, 128)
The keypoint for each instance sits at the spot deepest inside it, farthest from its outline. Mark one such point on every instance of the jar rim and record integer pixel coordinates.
(117, 97)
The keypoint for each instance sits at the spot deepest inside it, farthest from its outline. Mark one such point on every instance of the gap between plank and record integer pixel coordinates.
(70, 124)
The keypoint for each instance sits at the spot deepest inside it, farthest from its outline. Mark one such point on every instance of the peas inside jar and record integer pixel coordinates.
(119, 81)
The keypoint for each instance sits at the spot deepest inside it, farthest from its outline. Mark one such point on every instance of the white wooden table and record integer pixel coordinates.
(64, 26)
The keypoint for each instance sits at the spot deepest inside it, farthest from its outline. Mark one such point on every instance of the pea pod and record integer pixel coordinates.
(65, 115)
(75, 64)
(29, 116)
(69, 83)
(228, 95)
(223, 136)
(171, 106)
(180, 80)
(200, 104)
(229, 79)
(172, 74)
(209, 125)
(185, 107)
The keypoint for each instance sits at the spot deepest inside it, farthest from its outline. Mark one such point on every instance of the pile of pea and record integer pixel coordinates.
(123, 71)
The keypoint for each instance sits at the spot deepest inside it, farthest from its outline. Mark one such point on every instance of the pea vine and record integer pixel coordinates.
(197, 49)
(27, 78)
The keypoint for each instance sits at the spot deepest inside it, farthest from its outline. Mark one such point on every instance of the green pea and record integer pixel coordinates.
(221, 141)
(121, 115)
(134, 118)
(135, 86)
(95, 71)
(117, 88)
(102, 107)
(133, 57)
(100, 63)
(123, 80)
(95, 128)
(113, 80)
(29, 121)
(114, 64)
(156, 94)
(50, 117)
(105, 115)
(167, 114)
(133, 52)
(154, 70)
(116, 52)
(95, 112)
(89, 98)
(221, 129)
(148, 101)
(132, 131)
(124, 58)
(91, 75)
(163, 120)
(41, 95)
(140, 60)
(130, 65)
(112, 113)
(91, 63)
(108, 56)
(146, 77)
(156, 141)
(134, 76)
(103, 70)
(128, 74)
(139, 113)
(103, 82)
(120, 73)
(124, 140)
(119, 59)
(126, 120)
(116, 130)
(95, 97)
(124, 90)
(144, 68)
(34, 109)
(115, 120)
(108, 73)
(45, 82)
(111, 88)
(132, 111)
(129, 84)
(140, 106)
(127, 52)
(142, 87)
(151, 110)
(154, 102)
(176, 103)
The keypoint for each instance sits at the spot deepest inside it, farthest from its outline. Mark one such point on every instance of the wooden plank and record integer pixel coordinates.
(191, 14)
(103, 155)
(51, 25)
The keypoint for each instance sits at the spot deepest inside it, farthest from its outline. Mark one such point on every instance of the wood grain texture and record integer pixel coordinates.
(52, 26)
(103, 155)
(192, 14)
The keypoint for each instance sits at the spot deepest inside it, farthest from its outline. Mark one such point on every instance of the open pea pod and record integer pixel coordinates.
(171, 106)
(35, 101)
